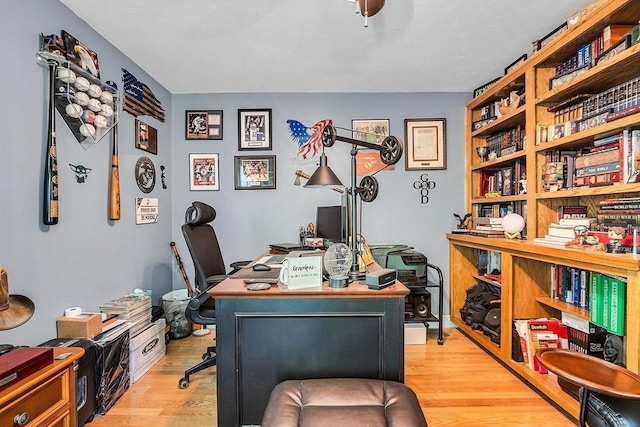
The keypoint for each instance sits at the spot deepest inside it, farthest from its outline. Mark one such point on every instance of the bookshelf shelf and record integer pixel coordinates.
(526, 267)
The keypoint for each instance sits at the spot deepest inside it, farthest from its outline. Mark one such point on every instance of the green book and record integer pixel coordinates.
(606, 306)
(617, 294)
(595, 306)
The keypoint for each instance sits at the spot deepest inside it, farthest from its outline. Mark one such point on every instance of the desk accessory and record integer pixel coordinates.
(381, 278)
(260, 286)
(338, 261)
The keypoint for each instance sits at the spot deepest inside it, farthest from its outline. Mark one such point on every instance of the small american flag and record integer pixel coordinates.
(138, 98)
(308, 143)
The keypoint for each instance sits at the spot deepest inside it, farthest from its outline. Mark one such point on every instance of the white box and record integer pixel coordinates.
(415, 333)
(146, 349)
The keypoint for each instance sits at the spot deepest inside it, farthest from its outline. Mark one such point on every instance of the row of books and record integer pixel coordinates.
(586, 111)
(506, 181)
(610, 160)
(588, 54)
(562, 232)
(607, 302)
(506, 142)
(587, 338)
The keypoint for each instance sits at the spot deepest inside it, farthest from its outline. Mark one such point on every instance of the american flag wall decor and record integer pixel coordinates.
(138, 98)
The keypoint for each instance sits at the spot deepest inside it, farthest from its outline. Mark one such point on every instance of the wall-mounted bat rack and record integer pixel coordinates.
(89, 111)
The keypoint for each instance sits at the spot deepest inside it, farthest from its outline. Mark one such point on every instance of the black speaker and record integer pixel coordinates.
(417, 305)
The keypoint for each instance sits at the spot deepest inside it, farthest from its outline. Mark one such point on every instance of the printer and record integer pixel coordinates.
(410, 264)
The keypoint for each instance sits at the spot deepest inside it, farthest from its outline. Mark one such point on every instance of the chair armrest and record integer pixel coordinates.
(238, 265)
(193, 310)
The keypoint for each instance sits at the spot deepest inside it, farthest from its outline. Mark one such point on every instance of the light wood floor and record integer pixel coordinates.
(457, 384)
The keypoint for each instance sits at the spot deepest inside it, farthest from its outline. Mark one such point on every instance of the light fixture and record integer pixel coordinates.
(323, 176)
(368, 8)
(513, 224)
(299, 174)
(390, 153)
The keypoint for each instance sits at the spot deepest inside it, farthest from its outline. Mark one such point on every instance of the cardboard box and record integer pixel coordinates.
(86, 325)
(146, 349)
(415, 333)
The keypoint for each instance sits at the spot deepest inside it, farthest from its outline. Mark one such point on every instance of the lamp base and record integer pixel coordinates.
(338, 282)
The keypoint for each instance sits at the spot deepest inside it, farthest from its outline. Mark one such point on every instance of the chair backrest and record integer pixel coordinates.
(202, 243)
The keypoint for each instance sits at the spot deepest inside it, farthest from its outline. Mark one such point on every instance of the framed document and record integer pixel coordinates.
(425, 144)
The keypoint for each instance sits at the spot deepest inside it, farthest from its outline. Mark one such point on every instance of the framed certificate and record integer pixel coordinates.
(425, 144)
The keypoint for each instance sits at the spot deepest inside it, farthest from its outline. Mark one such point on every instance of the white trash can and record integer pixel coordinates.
(174, 305)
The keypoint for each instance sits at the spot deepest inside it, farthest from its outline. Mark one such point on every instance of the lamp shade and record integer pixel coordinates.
(370, 7)
(323, 176)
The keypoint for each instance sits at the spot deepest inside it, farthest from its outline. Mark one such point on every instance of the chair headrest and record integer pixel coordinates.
(199, 213)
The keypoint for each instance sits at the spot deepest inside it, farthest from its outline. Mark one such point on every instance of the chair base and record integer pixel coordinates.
(208, 361)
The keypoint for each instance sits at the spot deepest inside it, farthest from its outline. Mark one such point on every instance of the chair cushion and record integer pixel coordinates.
(199, 213)
(344, 402)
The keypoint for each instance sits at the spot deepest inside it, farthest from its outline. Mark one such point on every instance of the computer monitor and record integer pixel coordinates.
(331, 223)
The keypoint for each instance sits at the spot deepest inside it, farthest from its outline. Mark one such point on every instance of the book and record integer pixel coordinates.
(486, 233)
(126, 304)
(605, 178)
(598, 158)
(613, 34)
(487, 220)
(559, 230)
(548, 242)
(616, 299)
(577, 221)
(560, 239)
(578, 211)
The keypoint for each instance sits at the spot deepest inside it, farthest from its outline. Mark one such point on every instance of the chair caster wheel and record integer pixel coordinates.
(183, 383)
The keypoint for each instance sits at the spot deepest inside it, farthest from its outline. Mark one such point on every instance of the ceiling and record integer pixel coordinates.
(245, 46)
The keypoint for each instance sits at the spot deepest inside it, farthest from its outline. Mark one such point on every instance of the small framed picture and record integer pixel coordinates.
(146, 137)
(254, 129)
(203, 124)
(374, 131)
(254, 172)
(204, 172)
(515, 64)
(425, 144)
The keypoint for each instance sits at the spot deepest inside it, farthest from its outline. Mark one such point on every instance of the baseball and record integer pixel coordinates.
(66, 75)
(87, 130)
(82, 98)
(73, 110)
(82, 83)
(94, 91)
(107, 110)
(100, 121)
(95, 105)
(88, 116)
(106, 97)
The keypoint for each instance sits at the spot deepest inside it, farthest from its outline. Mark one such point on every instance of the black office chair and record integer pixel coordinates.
(210, 270)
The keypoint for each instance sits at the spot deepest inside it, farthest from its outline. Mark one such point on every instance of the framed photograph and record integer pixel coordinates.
(515, 64)
(203, 124)
(254, 129)
(479, 90)
(374, 131)
(146, 137)
(254, 172)
(204, 172)
(425, 144)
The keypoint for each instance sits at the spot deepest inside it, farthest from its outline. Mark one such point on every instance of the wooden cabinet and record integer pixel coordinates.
(526, 267)
(45, 398)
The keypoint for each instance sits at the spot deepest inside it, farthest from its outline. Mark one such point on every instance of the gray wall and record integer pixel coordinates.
(87, 259)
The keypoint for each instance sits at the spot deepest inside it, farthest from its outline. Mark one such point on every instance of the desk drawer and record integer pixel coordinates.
(40, 403)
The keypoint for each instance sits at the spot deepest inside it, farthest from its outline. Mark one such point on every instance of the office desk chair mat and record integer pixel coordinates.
(248, 273)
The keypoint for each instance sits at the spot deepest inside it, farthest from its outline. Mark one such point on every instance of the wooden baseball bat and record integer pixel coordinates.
(174, 248)
(50, 188)
(114, 193)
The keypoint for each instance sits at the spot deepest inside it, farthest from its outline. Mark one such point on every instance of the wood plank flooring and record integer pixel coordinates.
(457, 383)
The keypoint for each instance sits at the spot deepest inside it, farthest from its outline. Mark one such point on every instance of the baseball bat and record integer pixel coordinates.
(50, 188)
(174, 248)
(114, 193)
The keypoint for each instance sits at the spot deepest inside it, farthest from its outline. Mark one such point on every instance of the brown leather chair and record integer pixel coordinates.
(344, 402)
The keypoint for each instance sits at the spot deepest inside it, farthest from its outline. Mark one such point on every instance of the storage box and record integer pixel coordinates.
(147, 348)
(22, 362)
(415, 333)
(86, 325)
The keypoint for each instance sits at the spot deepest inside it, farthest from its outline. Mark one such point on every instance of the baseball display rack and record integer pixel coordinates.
(89, 107)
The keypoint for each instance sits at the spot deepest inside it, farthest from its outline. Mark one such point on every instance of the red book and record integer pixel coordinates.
(22, 362)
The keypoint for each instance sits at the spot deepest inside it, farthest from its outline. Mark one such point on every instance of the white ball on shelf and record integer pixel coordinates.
(106, 97)
(82, 83)
(95, 91)
(512, 224)
(107, 110)
(66, 75)
(87, 130)
(100, 121)
(73, 110)
(81, 98)
(95, 105)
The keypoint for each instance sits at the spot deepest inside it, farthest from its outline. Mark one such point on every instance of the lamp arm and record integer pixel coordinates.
(353, 229)
(360, 143)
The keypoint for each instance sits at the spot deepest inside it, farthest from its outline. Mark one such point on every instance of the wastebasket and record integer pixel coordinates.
(174, 305)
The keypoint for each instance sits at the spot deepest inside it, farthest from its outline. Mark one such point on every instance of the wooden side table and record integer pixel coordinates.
(592, 374)
(47, 397)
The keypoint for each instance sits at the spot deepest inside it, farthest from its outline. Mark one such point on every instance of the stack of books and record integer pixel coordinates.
(562, 232)
(486, 226)
(621, 212)
(134, 309)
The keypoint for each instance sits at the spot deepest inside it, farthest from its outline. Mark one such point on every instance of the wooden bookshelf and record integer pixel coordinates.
(526, 267)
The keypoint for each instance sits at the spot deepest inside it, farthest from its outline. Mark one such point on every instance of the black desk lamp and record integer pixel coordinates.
(390, 153)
